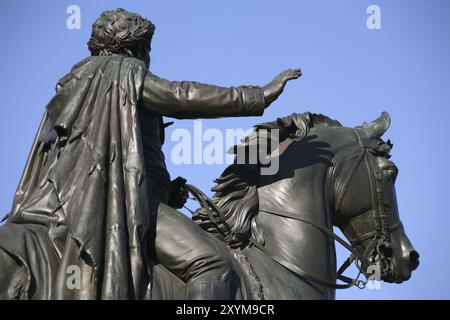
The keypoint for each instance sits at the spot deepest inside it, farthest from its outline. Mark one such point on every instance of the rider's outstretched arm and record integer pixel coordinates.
(190, 99)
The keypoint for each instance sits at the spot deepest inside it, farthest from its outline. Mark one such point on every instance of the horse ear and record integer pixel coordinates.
(378, 127)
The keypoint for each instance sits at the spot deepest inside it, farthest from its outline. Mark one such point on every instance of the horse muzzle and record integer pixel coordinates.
(399, 259)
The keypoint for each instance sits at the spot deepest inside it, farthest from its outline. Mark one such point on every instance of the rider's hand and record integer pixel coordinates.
(276, 86)
(178, 193)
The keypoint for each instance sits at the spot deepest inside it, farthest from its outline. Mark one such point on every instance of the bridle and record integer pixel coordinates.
(379, 238)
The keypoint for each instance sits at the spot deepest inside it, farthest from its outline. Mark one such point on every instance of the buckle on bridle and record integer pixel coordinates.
(361, 284)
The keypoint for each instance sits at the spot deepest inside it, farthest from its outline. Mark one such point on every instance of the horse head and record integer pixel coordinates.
(365, 204)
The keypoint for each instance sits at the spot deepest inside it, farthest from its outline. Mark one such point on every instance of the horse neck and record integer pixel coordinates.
(303, 194)
(300, 190)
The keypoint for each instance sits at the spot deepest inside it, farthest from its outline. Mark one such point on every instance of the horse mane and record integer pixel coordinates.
(236, 190)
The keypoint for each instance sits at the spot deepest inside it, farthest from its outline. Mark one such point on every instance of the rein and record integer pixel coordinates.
(349, 282)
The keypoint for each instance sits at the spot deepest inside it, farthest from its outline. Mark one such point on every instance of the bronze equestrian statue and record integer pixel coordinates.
(95, 195)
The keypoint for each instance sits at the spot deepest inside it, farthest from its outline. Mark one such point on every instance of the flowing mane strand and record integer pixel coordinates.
(236, 190)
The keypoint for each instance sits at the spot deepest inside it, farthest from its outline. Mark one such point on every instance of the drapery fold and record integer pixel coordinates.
(82, 195)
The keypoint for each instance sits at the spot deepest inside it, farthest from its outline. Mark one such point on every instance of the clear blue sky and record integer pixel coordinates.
(350, 73)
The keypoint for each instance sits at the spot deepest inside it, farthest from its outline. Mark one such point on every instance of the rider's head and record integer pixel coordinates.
(123, 33)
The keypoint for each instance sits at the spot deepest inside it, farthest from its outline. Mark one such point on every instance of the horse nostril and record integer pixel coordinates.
(414, 259)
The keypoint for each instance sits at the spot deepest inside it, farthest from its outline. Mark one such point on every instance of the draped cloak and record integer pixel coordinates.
(81, 207)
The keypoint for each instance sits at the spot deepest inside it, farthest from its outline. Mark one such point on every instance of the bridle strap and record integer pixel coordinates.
(371, 234)
(305, 274)
(349, 178)
(330, 234)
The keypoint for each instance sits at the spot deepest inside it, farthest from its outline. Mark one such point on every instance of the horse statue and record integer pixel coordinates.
(277, 228)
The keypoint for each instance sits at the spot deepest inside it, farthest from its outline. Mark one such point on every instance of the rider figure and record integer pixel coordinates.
(194, 258)
(96, 184)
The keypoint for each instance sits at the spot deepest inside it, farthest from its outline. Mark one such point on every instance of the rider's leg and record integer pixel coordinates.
(188, 252)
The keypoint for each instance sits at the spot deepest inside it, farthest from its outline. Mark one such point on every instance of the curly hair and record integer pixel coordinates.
(121, 32)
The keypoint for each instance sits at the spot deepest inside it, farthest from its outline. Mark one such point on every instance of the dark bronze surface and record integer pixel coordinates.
(96, 195)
